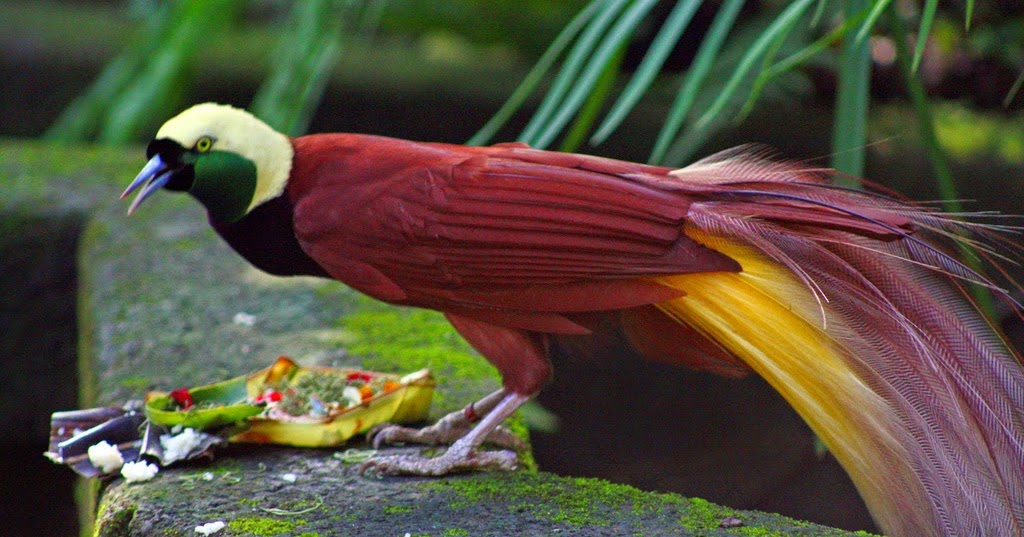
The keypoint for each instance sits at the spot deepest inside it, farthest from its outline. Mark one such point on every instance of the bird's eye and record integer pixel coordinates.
(204, 144)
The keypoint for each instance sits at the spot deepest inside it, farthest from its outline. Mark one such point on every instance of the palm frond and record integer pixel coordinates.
(303, 57)
(605, 25)
(649, 67)
(536, 74)
(146, 80)
(852, 97)
(695, 76)
(927, 17)
(544, 132)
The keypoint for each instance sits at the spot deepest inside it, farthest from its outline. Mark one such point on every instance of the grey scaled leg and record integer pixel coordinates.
(464, 454)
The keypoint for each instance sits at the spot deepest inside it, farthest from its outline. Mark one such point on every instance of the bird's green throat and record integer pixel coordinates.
(225, 183)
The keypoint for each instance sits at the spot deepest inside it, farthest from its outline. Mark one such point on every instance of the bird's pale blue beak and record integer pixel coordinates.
(154, 175)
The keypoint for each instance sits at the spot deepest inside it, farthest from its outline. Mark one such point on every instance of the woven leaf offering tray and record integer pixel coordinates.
(297, 406)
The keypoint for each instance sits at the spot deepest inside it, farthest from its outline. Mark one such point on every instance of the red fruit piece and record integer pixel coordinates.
(365, 377)
(183, 398)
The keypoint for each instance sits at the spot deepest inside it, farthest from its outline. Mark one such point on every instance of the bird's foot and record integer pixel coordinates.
(441, 432)
(465, 454)
(456, 459)
(449, 429)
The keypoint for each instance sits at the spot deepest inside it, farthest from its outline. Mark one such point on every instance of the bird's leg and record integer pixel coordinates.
(464, 453)
(520, 357)
(450, 428)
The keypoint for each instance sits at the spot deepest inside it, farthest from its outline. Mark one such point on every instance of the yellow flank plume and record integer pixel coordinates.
(770, 319)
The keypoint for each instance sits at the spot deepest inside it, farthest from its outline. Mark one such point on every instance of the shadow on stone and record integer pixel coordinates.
(38, 284)
(664, 428)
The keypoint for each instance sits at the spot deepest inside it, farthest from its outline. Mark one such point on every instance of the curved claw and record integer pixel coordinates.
(372, 436)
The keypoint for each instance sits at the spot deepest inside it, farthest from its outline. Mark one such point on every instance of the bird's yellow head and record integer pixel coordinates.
(224, 156)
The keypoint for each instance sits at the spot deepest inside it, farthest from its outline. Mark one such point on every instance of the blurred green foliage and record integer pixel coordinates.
(148, 76)
(308, 47)
(146, 81)
(749, 52)
(526, 25)
(588, 79)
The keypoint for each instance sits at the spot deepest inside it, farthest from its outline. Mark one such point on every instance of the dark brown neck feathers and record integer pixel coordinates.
(266, 238)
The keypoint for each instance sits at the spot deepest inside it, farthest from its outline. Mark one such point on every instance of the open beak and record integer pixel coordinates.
(154, 175)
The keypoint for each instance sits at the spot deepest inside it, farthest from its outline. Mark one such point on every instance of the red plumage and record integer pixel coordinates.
(511, 236)
(512, 243)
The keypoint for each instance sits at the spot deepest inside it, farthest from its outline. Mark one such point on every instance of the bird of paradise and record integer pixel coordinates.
(849, 303)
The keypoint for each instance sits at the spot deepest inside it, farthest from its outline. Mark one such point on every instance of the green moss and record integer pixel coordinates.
(517, 425)
(455, 532)
(87, 492)
(405, 339)
(759, 532)
(261, 526)
(88, 385)
(187, 245)
(576, 501)
(135, 384)
(400, 340)
(398, 509)
(44, 175)
(114, 520)
(703, 515)
(594, 503)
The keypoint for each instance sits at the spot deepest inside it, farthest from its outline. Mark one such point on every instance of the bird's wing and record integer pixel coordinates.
(510, 228)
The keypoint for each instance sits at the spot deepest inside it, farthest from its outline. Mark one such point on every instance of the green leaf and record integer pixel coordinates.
(588, 114)
(876, 11)
(927, 17)
(155, 89)
(819, 12)
(852, 103)
(661, 46)
(761, 80)
(776, 30)
(685, 147)
(216, 405)
(536, 74)
(695, 76)
(81, 120)
(570, 68)
(819, 45)
(301, 62)
(144, 82)
(1014, 89)
(618, 35)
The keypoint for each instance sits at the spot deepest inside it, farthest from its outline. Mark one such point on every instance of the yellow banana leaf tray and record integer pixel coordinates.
(293, 405)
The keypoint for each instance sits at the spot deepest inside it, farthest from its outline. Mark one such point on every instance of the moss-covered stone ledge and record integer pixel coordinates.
(157, 301)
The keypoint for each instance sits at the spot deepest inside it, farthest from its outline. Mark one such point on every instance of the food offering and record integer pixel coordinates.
(297, 406)
(284, 404)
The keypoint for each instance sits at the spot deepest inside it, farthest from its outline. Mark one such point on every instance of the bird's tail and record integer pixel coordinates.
(850, 305)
